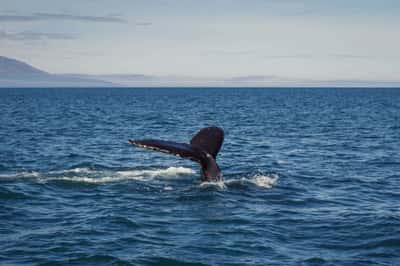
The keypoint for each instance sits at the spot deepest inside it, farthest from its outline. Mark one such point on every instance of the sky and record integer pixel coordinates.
(276, 39)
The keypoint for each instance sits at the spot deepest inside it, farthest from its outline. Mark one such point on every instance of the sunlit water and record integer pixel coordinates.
(311, 177)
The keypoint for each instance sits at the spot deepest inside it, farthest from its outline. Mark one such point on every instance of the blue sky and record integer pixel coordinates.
(296, 40)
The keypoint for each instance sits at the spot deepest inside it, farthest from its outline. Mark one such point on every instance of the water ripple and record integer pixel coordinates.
(311, 177)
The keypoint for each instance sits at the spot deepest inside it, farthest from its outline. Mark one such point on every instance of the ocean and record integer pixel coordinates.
(311, 177)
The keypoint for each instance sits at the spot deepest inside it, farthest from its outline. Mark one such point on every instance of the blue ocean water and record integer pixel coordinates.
(311, 177)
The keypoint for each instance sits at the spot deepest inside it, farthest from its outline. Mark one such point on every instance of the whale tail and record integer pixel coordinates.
(209, 139)
(203, 149)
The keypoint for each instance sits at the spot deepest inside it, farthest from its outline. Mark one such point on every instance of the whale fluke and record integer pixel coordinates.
(203, 149)
(210, 139)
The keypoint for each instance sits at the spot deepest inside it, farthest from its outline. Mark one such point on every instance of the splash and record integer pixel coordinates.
(260, 180)
(139, 175)
(87, 175)
(218, 184)
(170, 171)
(31, 174)
(85, 179)
(78, 170)
(265, 181)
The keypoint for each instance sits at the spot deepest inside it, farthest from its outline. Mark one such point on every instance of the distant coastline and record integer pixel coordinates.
(18, 74)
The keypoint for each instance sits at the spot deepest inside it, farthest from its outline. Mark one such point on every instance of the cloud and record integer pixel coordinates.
(299, 56)
(224, 52)
(289, 56)
(34, 36)
(320, 56)
(56, 16)
(258, 54)
(350, 56)
(60, 16)
(300, 13)
(16, 18)
(144, 24)
(254, 78)
(112, 18)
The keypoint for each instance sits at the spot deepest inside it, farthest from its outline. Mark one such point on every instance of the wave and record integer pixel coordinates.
(218, 184)
(171, 261)
(25, 174)
(170, 171)
(259, 180)
(88, 175)
(140, 175)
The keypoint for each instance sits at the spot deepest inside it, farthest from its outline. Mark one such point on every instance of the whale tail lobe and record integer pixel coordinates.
(209, 139)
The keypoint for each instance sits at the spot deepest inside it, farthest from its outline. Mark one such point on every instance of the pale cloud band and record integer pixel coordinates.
(60, 16)
(34, 36)
(255, 42)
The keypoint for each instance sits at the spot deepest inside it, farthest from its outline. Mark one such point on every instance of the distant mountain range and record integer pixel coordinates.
(15, 73)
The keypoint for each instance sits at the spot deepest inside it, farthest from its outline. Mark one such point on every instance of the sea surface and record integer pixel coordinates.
(311, 177)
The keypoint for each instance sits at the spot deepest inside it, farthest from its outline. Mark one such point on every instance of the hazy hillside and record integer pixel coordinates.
(15, 73)
(9, 66)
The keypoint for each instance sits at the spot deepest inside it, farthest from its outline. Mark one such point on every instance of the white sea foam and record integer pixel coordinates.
(101, 176)
(265, 181)
(260, 180)
(85, 179)
(86, 175)
(21, 175)
(77, 170)
(170, 171)
(218, 184)
(282, 162)
(95, 180)
(140, 175)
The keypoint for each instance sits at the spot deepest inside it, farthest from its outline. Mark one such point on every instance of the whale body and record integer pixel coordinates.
(203, 149)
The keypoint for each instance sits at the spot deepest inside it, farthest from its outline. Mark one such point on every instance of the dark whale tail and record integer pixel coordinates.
(209, 139)
(203, 149)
